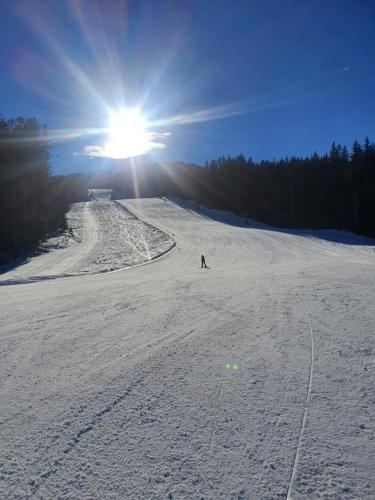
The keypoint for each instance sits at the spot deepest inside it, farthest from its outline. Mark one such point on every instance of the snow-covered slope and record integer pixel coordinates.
(102, 236)
(252, 379)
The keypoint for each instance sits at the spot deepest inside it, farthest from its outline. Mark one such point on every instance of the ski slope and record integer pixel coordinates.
(253, 379)
(102, 236)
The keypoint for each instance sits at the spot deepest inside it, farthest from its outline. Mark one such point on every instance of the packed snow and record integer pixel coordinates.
(101, 236)
(253, 379)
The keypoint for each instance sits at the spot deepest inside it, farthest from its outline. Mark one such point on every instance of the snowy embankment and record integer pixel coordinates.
(102, 236)
(253, 379)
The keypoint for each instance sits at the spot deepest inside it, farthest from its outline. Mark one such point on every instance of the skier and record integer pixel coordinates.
(203, 262)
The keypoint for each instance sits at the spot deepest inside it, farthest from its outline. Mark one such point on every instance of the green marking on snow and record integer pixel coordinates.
(232, 366)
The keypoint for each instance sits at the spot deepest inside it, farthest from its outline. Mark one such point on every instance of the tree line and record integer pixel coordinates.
(33, 202)
(334, 190)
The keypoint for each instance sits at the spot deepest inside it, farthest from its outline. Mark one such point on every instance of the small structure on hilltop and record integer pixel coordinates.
(100, 194)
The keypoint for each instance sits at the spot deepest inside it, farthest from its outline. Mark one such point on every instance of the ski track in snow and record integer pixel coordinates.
(308, 393)
(102, 236)
(250, 380)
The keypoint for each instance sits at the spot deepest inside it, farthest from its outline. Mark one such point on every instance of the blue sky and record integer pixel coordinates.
(266, 78)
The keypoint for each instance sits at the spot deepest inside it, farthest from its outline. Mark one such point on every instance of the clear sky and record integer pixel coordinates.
(266, 78)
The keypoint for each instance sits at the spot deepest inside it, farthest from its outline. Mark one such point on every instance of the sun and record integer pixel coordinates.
(127, 134)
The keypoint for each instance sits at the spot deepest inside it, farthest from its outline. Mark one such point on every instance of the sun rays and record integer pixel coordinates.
(113, 96)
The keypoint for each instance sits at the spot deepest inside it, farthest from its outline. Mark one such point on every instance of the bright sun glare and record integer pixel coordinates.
(128, 136)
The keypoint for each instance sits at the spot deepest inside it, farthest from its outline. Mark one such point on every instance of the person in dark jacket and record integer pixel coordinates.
(203, 262)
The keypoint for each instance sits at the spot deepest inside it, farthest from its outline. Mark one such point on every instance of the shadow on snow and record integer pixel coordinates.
(332, 235)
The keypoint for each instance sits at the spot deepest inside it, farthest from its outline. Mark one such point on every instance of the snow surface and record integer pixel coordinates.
(102, 236)
(253, 379)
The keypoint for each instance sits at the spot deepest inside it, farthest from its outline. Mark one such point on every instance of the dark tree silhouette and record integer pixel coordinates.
(33, 203)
